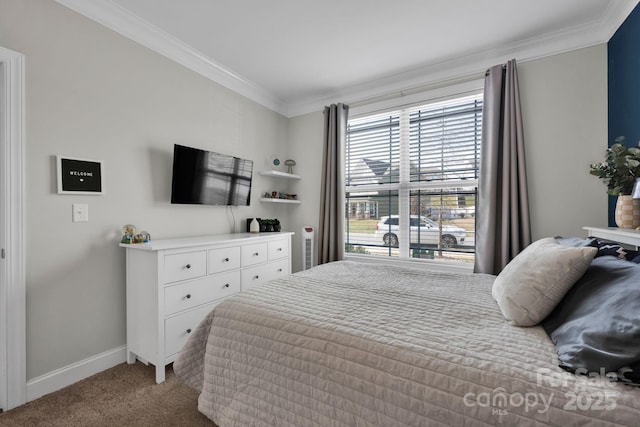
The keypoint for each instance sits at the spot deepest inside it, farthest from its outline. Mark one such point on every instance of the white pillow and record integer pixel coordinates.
(534, 282)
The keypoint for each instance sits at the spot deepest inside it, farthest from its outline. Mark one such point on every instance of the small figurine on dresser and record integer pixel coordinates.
(128, 233)
(130, 236)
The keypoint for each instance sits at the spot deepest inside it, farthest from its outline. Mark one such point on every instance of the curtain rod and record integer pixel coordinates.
(421, 88)
(415, 89)
(486, 73)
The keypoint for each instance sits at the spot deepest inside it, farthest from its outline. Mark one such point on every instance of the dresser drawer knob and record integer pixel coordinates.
(279, 249)
(256, 277)
(256, 254)
(279, 270)
(226, 260)
(188, 266)
(189, 330)
(226, 286)
(188, 296)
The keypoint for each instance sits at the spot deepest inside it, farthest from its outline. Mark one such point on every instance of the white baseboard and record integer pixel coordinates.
(63, 377)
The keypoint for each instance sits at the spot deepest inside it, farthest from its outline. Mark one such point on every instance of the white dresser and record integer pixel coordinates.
(173, 284)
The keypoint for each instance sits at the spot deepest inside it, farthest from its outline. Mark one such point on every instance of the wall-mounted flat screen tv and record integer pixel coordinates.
(207, 178)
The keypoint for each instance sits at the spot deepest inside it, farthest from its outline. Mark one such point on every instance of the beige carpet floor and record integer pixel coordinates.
(125, 395)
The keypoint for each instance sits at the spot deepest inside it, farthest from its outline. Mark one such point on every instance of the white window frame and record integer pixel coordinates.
(406, 103)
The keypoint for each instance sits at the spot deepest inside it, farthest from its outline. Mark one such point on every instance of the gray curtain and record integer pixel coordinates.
(331, 227)
(502, 219)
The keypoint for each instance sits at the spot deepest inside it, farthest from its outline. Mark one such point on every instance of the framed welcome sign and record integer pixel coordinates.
(79, 176)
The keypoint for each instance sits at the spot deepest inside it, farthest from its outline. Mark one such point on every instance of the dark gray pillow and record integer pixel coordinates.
(597, 324)
(616, 250)
(604, 247)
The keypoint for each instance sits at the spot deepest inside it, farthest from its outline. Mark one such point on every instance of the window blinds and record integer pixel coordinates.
(443, 145)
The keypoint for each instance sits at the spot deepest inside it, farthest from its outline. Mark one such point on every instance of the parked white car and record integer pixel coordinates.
(422, 230)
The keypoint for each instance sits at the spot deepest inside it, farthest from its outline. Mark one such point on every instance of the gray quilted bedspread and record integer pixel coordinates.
(351, 344)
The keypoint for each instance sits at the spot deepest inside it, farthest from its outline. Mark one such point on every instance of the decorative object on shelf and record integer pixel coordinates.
(254, 226)
(291, 196)
(271, 225)
(128, 233)
(79, 176)
(130, 236)
(619, 172)
(290, 164)
(274, 194)
(264, 225)
(274, 161)
(627, 214)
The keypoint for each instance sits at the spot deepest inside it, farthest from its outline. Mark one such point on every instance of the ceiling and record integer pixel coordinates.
(294, 56)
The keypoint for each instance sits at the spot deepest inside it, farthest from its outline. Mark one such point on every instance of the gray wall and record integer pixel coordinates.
(94, 94)
(564, 104)
(91, 93)
(565, 119)
(305, 145)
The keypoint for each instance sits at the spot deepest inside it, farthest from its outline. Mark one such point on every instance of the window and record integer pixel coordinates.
(411, 181)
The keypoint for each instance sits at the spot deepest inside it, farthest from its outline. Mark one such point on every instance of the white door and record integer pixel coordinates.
(12, 282)
(3, 273)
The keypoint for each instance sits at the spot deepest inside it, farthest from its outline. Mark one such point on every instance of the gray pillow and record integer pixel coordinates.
(596, 325)
(534, 282)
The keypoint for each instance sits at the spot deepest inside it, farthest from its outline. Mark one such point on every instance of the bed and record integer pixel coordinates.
(353, 344)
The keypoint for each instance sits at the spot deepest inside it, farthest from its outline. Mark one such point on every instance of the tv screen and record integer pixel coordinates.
(207, 178)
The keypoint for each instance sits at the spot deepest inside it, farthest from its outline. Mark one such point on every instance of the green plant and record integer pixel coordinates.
(269, 224)
(620, 168)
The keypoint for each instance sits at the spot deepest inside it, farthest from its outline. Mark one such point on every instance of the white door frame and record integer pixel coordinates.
(13, 378)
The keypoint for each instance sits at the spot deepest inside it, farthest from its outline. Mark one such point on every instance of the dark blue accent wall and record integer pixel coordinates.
(624, 86)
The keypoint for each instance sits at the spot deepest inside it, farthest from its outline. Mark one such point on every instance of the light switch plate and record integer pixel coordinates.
(80, 212)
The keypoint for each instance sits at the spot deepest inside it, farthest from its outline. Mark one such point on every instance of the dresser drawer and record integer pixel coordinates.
(178, 328)
(278, 269)
(254, 276)
(186, 295)
(184, 266)
(278, 249)
(224, 259)
(254, 254)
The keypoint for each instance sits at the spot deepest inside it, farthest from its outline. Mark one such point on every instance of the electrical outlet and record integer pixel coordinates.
(80, 212)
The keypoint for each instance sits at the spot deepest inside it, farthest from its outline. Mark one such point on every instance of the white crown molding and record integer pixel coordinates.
(120, 20)
(471, 66)
(616, 14)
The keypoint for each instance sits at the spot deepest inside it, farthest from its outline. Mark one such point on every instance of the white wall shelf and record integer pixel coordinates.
(274, 200)
(278, 174)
